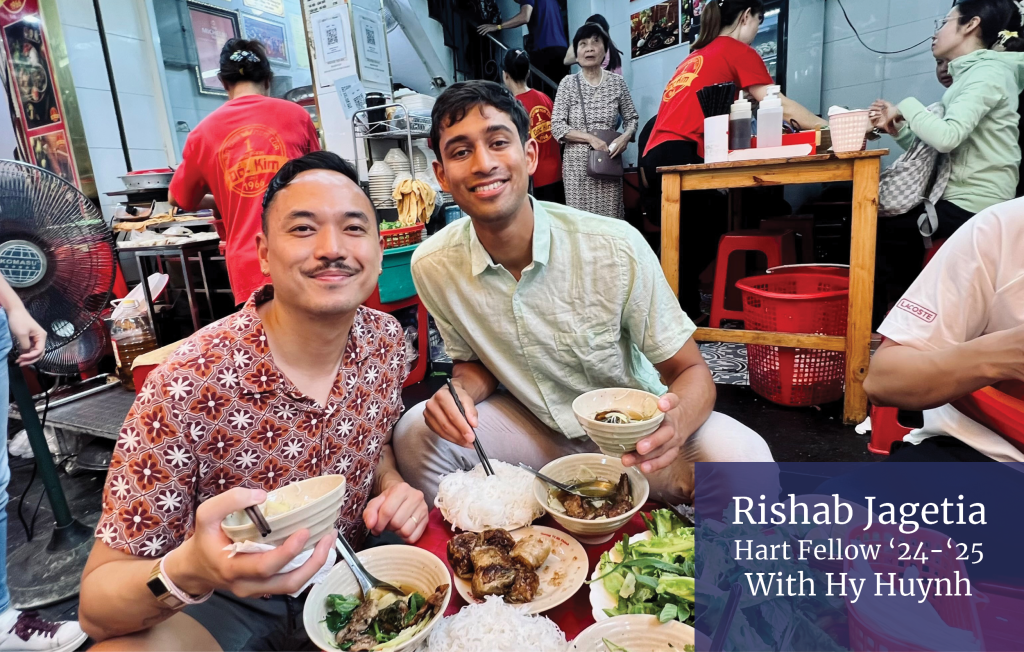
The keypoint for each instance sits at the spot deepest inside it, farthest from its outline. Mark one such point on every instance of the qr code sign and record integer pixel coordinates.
(332, 36)
(370, 37)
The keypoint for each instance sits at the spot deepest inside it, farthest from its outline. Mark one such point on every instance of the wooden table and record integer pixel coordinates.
(860, 167)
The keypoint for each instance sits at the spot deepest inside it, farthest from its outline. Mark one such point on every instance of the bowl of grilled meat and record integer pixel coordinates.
(613, 494)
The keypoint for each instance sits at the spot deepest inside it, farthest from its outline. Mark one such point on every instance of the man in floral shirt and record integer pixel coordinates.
(302, 382)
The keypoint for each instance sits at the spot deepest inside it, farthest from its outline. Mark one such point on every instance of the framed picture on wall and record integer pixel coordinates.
(655, 28)
(270, 34)
(212, 27)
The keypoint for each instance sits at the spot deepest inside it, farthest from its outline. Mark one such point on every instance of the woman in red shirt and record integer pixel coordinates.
(235, 151)
(547, 180)
(721, 54)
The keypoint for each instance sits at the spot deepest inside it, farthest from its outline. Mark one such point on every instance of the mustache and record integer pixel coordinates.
(338, 265)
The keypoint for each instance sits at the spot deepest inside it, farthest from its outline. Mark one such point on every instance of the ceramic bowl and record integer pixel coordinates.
(586, 465)
(320, 501)
(407, 567)
(614, 438)
(636, 633)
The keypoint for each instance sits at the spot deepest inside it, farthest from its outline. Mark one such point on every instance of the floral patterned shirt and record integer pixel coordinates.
(220, 414)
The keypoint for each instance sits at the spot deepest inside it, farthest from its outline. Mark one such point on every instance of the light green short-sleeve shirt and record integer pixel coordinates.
(592, 310)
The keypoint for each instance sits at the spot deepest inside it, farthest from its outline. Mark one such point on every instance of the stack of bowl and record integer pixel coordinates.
(382, 180)
(397, 160)
(617, 438)
(419, 161)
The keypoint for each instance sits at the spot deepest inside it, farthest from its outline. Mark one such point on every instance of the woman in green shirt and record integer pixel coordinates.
(981, 39)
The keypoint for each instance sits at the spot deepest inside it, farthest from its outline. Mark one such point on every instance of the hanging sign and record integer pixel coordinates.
(34, 89)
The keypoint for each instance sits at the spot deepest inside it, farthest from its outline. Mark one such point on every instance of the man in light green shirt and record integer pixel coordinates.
(548, 303)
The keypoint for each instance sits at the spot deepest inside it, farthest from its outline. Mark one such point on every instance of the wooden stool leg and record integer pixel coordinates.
(670, 191)
(862, 282)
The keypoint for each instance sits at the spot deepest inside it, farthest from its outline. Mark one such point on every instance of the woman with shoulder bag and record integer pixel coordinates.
(586, 107)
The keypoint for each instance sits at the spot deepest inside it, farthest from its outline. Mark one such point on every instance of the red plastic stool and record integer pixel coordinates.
(779, 247)
(885, 429)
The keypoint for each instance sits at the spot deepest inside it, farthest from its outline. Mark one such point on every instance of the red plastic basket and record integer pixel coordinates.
(796, 303)
(955, 611)
(403, 237)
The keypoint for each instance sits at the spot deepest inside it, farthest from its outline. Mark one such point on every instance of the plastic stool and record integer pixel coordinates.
(779, 248)
(801, 225)
(885, 429)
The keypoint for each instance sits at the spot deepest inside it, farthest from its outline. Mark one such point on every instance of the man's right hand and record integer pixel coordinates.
(443, 416)
(201, 564)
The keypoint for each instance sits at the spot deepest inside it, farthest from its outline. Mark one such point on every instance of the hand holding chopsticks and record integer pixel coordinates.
(484, 461)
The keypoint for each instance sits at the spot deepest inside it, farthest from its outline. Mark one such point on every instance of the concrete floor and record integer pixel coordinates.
(794, 435)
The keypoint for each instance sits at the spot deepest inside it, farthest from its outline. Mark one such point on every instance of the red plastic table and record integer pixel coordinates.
(572, 616)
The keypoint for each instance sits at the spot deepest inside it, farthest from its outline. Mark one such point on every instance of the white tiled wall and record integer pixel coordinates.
(137, 81)
(853, 76)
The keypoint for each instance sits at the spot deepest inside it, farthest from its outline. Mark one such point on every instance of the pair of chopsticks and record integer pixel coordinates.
(717, 99)
(256, 516)
(484, 461)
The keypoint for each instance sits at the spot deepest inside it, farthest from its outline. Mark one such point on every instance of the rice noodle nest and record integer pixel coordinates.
(494, 626)
(473, 501)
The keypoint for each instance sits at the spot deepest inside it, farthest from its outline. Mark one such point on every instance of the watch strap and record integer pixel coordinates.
(167, 591)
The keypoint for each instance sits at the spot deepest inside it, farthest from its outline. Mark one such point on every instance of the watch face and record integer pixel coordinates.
(156, 585)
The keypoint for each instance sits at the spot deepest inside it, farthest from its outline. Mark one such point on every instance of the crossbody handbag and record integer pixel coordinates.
(600, 165)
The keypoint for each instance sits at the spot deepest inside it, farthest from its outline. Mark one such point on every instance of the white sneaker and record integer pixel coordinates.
(26, 632)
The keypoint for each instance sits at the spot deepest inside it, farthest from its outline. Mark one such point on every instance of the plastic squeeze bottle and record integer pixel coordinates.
(740, 118)
(769, 119)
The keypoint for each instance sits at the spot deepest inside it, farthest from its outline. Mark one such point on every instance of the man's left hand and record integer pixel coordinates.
(487, 29)
(399, 508)
(662, 447)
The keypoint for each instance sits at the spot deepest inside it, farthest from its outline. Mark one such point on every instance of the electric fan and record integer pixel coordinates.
(56, 251)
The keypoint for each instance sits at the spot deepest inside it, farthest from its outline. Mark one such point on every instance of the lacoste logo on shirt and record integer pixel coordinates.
(920, 312)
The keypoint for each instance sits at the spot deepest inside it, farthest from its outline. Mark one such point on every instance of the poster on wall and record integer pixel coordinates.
(212, 27)
(655, 28)
(271, 35)
(332, 38)
(275, 7)
(34, 91)
(373, 62)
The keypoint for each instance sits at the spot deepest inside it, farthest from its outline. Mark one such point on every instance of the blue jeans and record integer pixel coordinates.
(5, 467)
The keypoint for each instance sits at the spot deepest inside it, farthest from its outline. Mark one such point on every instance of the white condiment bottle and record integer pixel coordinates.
(769, 119)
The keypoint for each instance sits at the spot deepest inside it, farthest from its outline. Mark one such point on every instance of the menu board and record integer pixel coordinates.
(34, 89)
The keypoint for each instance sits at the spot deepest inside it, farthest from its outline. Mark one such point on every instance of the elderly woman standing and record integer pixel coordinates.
(601, 97)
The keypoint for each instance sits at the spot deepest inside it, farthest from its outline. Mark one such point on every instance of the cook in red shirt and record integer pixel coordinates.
(547, 180)
(721, 53)
(235, 152)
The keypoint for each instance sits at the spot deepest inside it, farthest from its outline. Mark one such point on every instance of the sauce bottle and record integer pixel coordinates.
(740, 118)
(769, 119)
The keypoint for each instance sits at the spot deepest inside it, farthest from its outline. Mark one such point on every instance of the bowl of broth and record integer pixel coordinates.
(617, 418)
(314, 503)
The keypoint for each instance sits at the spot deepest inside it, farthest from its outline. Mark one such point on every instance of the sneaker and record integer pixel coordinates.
(25, 631)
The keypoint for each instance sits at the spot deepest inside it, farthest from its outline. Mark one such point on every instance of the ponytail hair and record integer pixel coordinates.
(1002, 22)
(517, 65)
(719, 14)
(243, 60)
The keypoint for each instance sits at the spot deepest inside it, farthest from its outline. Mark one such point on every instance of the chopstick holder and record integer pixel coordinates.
(716, 139)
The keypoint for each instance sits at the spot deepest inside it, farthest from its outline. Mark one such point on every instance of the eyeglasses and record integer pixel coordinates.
(939, 24)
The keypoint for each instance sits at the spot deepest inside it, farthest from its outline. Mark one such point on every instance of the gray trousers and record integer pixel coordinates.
(511, 433)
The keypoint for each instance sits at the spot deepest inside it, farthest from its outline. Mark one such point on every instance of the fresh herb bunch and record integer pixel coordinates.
(655, 576)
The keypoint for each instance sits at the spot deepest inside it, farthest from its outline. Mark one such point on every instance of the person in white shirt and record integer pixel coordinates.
(959, 328)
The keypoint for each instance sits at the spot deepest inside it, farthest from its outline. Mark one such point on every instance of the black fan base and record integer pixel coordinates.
(42, 572)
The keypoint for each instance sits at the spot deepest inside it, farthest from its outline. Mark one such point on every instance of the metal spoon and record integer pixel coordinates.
(366, 581)
(570, 489)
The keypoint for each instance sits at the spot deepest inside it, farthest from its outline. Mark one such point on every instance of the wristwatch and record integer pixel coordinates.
(165, 591)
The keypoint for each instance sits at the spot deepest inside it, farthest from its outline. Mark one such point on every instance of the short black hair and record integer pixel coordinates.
(244, 60)
(517, 64)
(588, 30)
(321, 160)
(456, 101)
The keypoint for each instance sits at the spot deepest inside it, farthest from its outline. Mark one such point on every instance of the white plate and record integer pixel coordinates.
(636, 633)
(561, 576)
(600, 597)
